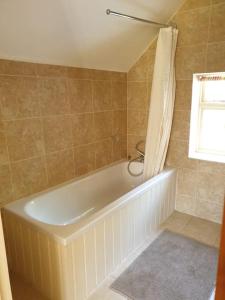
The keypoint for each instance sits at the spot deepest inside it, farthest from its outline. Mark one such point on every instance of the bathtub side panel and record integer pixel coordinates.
(108, 243)
(90, 258)
(75, 271)
(34, 256)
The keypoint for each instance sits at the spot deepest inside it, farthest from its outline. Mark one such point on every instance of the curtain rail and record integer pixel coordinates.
(111, 12)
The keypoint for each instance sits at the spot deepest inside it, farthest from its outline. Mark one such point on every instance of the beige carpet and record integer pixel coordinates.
(173, 267)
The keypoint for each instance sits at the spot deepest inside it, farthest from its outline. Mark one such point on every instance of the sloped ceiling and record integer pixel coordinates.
(78, 32)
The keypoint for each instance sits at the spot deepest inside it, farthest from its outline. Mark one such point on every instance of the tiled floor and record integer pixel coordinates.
(23, 291)
(201, 230)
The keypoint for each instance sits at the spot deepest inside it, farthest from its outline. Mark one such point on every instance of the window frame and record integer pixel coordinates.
(197, 108)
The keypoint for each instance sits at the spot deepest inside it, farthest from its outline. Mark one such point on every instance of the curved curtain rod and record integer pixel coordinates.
(111, 12)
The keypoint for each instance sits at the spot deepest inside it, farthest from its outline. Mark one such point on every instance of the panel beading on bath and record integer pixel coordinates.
(74, 271)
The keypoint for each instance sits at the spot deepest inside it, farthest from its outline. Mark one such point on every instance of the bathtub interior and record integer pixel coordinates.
(72, 202)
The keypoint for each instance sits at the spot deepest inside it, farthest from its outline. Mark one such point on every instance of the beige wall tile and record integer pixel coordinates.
(190, 60)
(193, 26)
(211, 167)
(28, 177)
(60, 166)
(10, 67)
(186, 204)
(102, 75)
(102, 95)
(132, 141)
(217, 28)
(216, 57)
(217, 1)
(47, 110)
(138, 95)
(118, 76)
(19, 97)
(103, 153)
(137, 122)
(119, 94)
(79, 73)
(83, 129)
(177, 155)
(143, 68)
(192, 4)
(5, 184)
(84, 159)
(208, 210)
(25, 138)
(187, 182)
(103, 122)
(124, 147)
(131, 153)
(57, 133)
(117, 147)
(53, 96)
(194, 54)
(119, 122)
(124, 123)
(51, 70)
(211, 187)
(181, 125)
(80, 95)
(182, 115)
(183, 95)
(4, 157)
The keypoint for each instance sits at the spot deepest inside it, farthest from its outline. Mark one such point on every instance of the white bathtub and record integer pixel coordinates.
(67, 240)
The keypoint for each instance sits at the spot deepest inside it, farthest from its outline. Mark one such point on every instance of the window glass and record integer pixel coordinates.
(207, 128)
(212, 131)
(213, 91)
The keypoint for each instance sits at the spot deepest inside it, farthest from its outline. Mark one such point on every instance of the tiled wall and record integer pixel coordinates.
(201, 48)
(57, 123)
(139, 81)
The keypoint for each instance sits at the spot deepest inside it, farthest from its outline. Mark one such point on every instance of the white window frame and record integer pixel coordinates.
(197, 105)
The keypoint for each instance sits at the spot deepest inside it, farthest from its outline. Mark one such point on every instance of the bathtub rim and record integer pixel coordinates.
(67, 233)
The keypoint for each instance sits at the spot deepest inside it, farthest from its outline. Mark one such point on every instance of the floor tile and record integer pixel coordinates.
(176, 222)
(202, 230)
(22, 290)
(105, 293)
(217, 241)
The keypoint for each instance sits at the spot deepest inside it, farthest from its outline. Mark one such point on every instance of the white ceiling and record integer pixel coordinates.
(78, 32)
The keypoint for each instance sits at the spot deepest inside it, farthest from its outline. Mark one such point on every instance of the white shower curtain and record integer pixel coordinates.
(162, 103)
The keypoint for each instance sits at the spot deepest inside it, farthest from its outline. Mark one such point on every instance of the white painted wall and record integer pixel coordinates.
(78, 32)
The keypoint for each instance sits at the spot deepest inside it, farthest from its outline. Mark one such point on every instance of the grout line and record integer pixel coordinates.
(65, 77)
(208, 34)
(69, 115)
(127, 119)
(44, 145)
(59, 150)
(194, 9)
(192, 45)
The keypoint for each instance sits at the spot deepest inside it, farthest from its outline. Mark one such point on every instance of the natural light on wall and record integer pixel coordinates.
(207, 132)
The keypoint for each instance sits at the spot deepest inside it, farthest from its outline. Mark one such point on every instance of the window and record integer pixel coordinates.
(207, 132)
